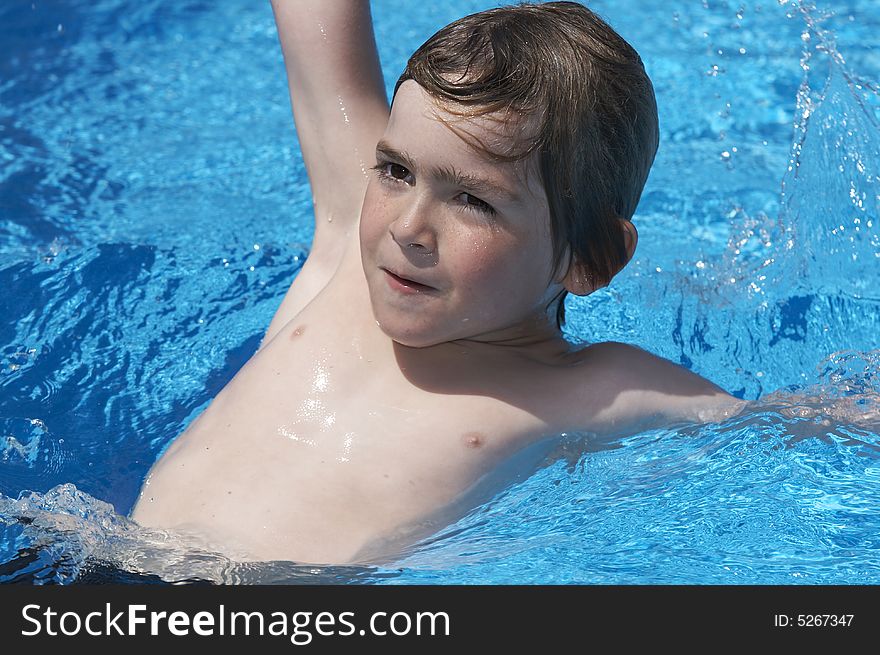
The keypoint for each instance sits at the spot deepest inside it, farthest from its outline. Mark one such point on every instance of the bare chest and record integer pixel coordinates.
(318, 408)
(321, 444)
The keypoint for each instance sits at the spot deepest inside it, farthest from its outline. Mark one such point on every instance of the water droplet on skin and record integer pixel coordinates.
(293, 436)
(342, 109)
(346, 447)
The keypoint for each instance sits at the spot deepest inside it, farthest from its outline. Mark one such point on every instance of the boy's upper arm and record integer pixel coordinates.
(633, 390)
(338, 99)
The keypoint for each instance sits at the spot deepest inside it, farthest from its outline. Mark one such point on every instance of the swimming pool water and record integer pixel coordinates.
(154, 210)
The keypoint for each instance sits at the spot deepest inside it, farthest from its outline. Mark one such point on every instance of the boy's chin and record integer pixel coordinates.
(411, 338)
(409, 333)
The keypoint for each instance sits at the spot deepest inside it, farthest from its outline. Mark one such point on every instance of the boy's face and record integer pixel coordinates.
(480, 246)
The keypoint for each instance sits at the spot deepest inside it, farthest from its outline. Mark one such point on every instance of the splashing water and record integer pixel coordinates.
(832, 219)
(65, 535)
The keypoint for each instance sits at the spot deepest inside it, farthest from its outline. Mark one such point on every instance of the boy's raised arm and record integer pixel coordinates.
(339, 102)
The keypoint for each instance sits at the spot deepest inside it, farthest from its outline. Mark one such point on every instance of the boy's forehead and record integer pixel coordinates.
(420, 122)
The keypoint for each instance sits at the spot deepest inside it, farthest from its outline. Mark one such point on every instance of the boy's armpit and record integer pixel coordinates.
(320, 267)
(629, 390)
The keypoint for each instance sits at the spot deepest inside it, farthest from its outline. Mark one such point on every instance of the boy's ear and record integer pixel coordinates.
(581, 282)
(631, 239)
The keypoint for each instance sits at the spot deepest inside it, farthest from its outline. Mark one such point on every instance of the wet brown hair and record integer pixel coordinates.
(597, 132)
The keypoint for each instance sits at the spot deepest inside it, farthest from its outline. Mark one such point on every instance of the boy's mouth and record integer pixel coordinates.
(401, 283)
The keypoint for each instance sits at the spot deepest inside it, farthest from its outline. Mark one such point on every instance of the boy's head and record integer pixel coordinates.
(546, 89)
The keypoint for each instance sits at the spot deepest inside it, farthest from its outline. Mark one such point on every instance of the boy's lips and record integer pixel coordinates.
(402, 282)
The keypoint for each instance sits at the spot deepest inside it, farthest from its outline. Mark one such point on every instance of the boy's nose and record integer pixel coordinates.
(413, 232)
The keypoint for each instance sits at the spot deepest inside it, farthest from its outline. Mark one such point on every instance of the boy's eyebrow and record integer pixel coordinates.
(450, 174)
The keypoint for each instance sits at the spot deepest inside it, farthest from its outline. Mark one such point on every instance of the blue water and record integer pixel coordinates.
(154, 210)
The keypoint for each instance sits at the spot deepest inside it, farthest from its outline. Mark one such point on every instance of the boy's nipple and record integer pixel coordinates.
(473, 439)
(297, 331)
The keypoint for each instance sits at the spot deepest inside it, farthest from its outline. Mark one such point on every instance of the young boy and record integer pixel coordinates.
(417, 358)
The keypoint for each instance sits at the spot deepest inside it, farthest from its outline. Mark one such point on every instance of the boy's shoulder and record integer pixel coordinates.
(614, 386)
(621, 361)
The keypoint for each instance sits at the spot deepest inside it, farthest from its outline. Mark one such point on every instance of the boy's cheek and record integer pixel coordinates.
(369, 235)
(374, 223)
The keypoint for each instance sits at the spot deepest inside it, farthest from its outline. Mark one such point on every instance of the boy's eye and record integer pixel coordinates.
(391, 171)
(475, 203)
(397, 171)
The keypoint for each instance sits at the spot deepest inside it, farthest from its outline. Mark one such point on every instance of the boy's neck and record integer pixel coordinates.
(537, 335)
(458, 366)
